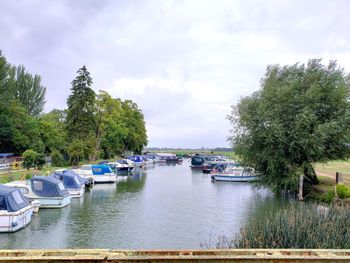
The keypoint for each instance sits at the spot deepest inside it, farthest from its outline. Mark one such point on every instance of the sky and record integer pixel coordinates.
(183, 62)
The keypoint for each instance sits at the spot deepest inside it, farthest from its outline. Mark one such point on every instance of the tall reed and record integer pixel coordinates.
(295, 226)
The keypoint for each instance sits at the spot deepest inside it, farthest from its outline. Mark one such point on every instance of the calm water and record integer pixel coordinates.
(161, 207)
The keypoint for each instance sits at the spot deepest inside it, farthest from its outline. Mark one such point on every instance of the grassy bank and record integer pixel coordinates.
(330, 168)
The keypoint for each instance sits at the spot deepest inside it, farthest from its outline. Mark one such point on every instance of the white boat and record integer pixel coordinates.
(165, 157)
(46, 189)
(230, 172)
(98, 173)
(15, 210)
(71, 182)
(138, 161)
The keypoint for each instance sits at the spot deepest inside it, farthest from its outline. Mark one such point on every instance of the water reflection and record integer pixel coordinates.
(165, 206)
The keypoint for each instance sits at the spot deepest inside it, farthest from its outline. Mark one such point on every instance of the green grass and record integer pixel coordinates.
(329, 169)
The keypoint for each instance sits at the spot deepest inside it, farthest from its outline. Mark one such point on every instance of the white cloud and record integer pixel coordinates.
(183, 62)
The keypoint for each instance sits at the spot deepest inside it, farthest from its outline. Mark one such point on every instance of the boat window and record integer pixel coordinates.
(76, 181)
(97, 170)
(18, 198)
(23, 190)
(37, 185)
(86, 167)
(60, 186)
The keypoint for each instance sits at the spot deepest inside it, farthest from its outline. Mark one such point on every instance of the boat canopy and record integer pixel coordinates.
(101, 169)
(69, 180)
(11, 199)
(48, 186)
(81, 179)
(136, 158)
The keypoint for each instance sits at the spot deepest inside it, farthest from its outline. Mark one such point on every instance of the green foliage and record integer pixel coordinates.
(136, 137)
(29, 159)
(343, 191)
(328, 196)
(76, 151)
(57, 159)
(81, 121)
(295, 226)
(299, 116)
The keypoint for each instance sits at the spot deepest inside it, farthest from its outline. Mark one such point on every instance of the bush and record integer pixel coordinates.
(29, 157)
(295, 226)
(57, 158)
(328, 197)
(32, 159)
(343, 191)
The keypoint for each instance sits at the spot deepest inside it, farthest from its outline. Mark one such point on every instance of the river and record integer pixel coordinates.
(161, 207)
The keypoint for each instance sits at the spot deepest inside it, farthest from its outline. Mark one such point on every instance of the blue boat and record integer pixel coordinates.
(15, 210)
(46, 189)
(71, 181)
(139, 160)
(98, 173)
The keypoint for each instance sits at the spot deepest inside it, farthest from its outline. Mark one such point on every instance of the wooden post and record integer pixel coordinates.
(301, 185)
(338, 178)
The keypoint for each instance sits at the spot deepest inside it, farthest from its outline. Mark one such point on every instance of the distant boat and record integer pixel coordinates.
(46, 189)
(99, 173)
(74, 186)
(229, 172)
(166, 158)
(15, 210)
(139, 160)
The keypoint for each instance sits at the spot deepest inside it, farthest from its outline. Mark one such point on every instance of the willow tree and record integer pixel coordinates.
(299, 116)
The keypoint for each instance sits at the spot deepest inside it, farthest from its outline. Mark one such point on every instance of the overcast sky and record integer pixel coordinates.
(183, 62)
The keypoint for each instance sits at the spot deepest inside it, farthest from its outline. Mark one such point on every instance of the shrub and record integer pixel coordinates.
(57, 158)
(29, 157)
(328, 197)
(32, 159)
(295, 226)
(343, 191)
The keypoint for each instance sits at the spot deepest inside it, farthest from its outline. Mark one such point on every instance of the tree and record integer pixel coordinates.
(299, 116)
(136, 137)
(81, 122)
(27, 89)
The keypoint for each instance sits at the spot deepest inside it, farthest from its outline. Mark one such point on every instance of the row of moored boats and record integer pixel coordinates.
(222, 169)
(20, 199)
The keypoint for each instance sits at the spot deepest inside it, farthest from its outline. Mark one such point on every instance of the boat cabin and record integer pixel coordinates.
(48, 186)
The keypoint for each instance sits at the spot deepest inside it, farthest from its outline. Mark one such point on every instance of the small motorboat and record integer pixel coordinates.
(15, 210)
(71, 182)
(138, 160)
(98, 173)
(46, 189)
(230, 172)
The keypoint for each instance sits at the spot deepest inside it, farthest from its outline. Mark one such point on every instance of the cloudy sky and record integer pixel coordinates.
(183, 62)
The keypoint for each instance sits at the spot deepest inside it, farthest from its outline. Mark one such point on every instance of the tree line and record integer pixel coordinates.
(93, 126)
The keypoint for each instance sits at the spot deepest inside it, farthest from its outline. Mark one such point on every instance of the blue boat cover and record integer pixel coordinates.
(101, 169)
(136, 158)
(48, 186)
(81, 179)
(69, 180)
(11, 199)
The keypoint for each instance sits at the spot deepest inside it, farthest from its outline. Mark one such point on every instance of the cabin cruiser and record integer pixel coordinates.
(15, 210)
(138, 160)
(166, 158)
(120, 167)
(71, 182)
(231, 172)
(98, 173)
(46, 189)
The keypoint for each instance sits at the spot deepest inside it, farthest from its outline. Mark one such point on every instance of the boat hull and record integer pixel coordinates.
(53, 202)
(14, 221)
(76, 193)
(233, 178)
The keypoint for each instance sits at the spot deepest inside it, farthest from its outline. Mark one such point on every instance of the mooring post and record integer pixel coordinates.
(301, 186)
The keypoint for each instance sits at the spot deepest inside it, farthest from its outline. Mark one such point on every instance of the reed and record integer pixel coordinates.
(296, 226)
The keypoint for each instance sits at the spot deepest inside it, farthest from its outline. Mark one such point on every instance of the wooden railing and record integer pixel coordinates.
(231, 255)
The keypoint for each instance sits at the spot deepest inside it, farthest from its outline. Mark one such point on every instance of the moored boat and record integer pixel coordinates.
(15, 210)
(229, 172)
(71, 182)
(46, 189)
(138, 160)
(98, 173)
